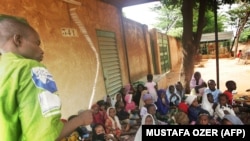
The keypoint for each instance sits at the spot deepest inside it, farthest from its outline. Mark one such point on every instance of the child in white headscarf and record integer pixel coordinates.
(208, 103)
(194, 108)
(112, 123)
(146, 120)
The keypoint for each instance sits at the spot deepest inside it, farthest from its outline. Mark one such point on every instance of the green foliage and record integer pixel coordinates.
(239, 18)
(209, 22)
(245, 35)
(170, 19)
(176, 32)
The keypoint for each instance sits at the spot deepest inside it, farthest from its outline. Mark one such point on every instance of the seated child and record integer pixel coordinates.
(124, 116)
(164, 113)
(99, 117)
(148, 99)
(223, 107)
(203, 118)
(231, 86)
(151, 109)
(162, 105)
(99, 134)
(112, 123)
(208, 103)
(198, 84)
(183, 106)
(193, 109)
(129, 103)
(212, 90)
(180, 89)
(146, 120)
(117, 97)
(172, 97)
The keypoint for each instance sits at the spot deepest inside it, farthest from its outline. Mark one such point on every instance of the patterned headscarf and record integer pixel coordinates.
(115, 120)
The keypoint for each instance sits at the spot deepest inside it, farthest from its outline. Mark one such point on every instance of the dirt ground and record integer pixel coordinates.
(229, 69)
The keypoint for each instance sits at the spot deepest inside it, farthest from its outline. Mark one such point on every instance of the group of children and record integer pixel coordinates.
(146, 104)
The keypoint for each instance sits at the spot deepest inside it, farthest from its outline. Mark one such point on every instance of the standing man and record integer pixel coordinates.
(30, 109)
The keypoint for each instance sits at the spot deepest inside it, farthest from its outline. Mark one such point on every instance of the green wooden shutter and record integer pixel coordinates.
(110, 61)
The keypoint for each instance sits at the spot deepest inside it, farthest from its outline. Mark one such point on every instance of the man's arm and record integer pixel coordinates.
(85, 118)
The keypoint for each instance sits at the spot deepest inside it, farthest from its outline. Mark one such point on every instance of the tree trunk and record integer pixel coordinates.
(191, 42)
(188, 44)
(241, 27)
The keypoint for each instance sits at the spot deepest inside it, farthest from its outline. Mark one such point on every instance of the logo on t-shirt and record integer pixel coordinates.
(43, 79)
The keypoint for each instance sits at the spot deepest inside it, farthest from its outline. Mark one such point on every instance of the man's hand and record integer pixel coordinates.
(86, 117)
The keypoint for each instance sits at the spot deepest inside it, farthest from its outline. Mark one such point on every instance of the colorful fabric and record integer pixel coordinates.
(151, 89)
(193, 113)
(99, 117)
(130, 105)
(215, 93)
(112, 124)
(169, 117)
(193, 83)
(229, 96)
(162, 103)
(141, 104)
(183, 107)
(29, 107)
(147, 96)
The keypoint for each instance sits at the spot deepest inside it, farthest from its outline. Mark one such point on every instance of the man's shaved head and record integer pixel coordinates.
(18, 37)
(11, 26)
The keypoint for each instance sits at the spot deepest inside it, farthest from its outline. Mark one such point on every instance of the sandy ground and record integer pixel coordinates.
(229, 69)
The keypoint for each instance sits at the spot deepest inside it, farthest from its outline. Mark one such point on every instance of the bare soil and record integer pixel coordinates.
(229, 69)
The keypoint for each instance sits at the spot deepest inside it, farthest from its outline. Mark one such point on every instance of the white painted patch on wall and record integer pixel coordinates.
(83, 30)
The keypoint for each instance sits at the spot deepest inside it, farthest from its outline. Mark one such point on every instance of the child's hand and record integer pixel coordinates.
(226, 112)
